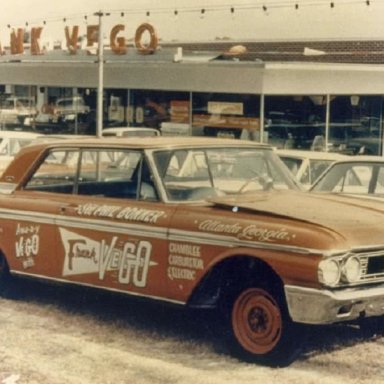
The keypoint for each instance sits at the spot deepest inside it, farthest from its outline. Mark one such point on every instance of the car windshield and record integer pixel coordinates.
(17, 103)
(355, 178)
(317, 167)
(292, 163)
(192, 174)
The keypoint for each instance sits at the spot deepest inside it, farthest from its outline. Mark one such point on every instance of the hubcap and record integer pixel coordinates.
(256, 321)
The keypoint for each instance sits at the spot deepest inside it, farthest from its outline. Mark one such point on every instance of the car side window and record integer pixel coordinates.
(379, 187)
(356, 179)
(57, 173)
(109, 172)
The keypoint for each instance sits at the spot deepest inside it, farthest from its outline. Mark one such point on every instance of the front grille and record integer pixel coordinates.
(375, 267)
(372, 264)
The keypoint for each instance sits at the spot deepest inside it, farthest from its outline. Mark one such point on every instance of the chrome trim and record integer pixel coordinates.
(369, 272)
(367, 248)
(86, 223)
(321, 306)
(231, 242)
(7, 188)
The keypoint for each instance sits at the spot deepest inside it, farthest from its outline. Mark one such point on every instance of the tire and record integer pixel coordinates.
(5, 277)
(372, 327)
(261, 330)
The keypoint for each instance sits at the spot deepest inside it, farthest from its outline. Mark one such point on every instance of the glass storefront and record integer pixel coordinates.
(355, 125)
(226, 115)
(350, 124)
(158, 109)
(295, 122)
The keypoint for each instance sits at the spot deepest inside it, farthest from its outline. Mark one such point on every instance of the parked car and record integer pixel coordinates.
(130, 131)
(69, 108)
(295, 135)
(17, 110)
(11, 142)
(360, 175)
(200, 223)
(307, 166)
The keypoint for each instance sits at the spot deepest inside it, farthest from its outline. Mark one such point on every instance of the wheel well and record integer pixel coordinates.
(228, 276)
(3, 258)
(4, 266)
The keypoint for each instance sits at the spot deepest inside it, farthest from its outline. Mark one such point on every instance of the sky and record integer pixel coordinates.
(196, 20)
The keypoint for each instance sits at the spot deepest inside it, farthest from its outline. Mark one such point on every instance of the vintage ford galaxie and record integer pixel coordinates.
(207, 223)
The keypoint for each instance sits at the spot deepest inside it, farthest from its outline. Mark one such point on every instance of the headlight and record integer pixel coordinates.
(329, 272)
(352, 270)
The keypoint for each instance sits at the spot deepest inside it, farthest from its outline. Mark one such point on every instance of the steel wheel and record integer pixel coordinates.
(257, 321)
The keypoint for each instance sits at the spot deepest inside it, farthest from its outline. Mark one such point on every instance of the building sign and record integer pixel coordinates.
(180, 111)
(225, 108)
(221, 121)
(117, 42)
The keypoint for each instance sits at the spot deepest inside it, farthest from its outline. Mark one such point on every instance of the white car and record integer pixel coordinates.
(17, 110)
(68, 108)
(359, 175)
(130, 131)
(307, 166)
(11, 142)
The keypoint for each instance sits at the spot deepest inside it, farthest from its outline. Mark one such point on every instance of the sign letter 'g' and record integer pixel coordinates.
(118, 43)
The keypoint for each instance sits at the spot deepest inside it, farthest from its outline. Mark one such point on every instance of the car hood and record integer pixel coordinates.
(359, 222)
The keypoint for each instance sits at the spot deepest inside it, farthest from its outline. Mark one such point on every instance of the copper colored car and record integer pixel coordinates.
(197, 222)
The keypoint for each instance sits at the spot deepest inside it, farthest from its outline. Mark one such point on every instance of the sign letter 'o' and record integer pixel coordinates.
(149, 48)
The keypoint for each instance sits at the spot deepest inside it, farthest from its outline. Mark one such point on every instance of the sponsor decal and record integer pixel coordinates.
(129, 260)
(183, 261)
(150, 216)
(249, 232)
(27, 244)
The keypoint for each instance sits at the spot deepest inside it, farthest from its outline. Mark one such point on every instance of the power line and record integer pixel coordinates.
(260, 5)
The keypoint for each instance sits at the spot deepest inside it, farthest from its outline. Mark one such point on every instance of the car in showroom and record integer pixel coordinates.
(130, 131)
(359, 175)
(70, 108)
(202, 223)
(17, 110)
(307, 166)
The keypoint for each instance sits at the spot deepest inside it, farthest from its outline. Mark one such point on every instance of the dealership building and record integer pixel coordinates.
(304, 95)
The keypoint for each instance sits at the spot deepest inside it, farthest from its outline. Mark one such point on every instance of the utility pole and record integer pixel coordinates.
(100, 87)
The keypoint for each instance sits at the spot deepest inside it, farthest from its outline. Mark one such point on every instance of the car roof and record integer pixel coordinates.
(19, 134)
(314, 155)
(362, 159)
(30, 153)
(155, 142)
(122, 130)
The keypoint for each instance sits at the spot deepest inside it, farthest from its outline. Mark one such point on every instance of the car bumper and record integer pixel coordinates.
(313, 306)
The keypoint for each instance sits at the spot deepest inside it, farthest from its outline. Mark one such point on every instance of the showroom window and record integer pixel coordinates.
(226, 115)
(295, 122)
(167, 111)
(355, 125)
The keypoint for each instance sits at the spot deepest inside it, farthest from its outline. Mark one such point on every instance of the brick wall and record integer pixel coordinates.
(369, 51)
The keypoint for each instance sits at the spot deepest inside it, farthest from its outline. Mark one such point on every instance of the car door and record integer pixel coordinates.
(112, 231)
(28, 218)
